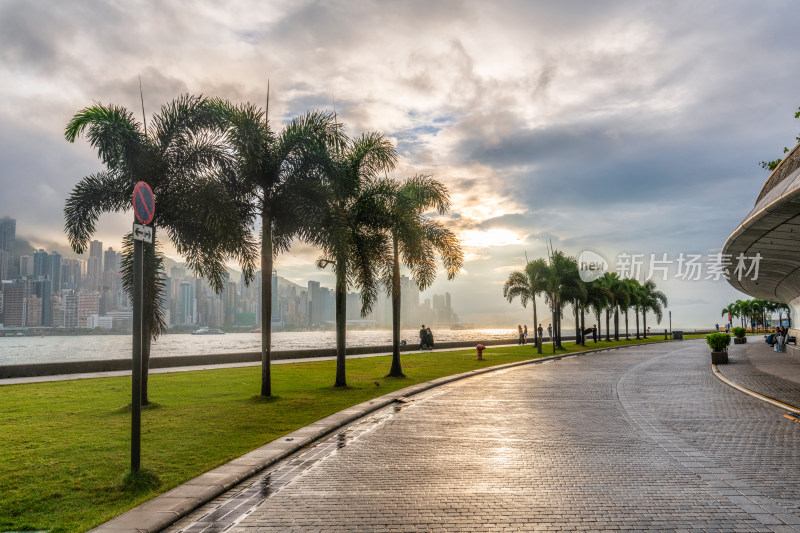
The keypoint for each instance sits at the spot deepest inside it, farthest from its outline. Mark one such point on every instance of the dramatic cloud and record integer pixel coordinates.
(612, 127)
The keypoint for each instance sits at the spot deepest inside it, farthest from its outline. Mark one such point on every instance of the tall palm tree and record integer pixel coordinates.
(565, 283)
(183, 160)
(527, 284)
(417, 240)
(653, 300)
(275, 170)
(619, 297)
(729, 311)
(597, 299)
(348, 212)
(634, 292)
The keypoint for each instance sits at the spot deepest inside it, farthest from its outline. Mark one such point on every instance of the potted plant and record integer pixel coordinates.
(719, 347)
(739, 335)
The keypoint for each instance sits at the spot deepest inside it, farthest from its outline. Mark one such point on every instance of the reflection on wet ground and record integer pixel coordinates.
(230, 508)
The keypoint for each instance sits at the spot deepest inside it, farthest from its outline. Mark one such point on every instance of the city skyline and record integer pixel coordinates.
(48, 289)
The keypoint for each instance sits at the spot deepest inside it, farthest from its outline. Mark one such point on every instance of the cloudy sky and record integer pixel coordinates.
(617, 127)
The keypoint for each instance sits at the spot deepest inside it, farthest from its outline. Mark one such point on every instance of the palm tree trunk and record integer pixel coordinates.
(558, 319)
(626, 325)
(644, 323)
(599, 328)
(266, 305)
(608, 326)
(536, 326)
(583, 329)
(396, 371)
(341, 321)
(637, 323)
(578, 331)
(616, 323)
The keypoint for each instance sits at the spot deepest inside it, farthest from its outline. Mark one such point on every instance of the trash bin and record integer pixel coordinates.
(677, 335)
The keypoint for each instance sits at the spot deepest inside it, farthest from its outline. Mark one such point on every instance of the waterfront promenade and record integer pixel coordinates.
(636, 438)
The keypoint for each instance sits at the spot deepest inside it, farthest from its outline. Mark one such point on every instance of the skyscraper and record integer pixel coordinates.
(95, 271)
(41, 264)
(187, 303)
(8, 231)
(55, 271)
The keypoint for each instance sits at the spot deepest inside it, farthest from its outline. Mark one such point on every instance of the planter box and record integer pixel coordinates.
(737, 340)
(719, 358)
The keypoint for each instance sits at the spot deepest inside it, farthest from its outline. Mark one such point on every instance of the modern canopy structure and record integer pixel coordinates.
(771, 233)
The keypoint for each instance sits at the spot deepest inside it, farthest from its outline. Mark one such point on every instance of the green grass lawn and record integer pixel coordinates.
(65, 446)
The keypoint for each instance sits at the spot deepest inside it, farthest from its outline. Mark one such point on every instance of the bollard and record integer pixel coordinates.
(480, 349)
(666, 336)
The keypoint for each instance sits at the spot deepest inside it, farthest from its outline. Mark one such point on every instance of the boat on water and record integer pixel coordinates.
(208, 331)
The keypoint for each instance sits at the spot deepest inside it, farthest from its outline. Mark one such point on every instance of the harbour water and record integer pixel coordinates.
(50, 349)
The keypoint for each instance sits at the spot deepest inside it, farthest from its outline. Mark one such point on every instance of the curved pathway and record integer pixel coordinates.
(635, 439)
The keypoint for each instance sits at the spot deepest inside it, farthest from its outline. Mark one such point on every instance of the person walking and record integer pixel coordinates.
(549, 332)
(423, 337)
(717, 326)
(594, 332)
(540, 331)
(519, 329)
(525, 334)
(429, 338)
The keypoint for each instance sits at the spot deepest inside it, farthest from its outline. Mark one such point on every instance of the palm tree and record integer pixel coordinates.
(526, 285)
(348, 212)
(182, 159)
(418, 240)
(563, 281)
(729, 311)
(597, 298)
(274, 170)
(619, 297)
(652, 300)
(634, 292)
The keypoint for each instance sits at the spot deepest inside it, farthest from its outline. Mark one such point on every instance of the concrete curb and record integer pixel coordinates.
(717, 372)
(169, 507)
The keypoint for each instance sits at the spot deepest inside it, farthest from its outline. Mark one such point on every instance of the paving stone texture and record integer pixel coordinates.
(636, 439)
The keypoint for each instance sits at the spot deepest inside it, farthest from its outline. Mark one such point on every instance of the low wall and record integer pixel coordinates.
(115, 365)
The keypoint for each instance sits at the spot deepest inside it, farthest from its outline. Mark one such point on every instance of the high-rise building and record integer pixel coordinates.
(316, 305)
(187, 303)
(55, 271)
(230, 303)
(42, 289)
(26, 266)
(41, 264)
(95, 266)
(33, 311)
(5, 265)
(88, 304)
(69, 303)
(8, 232)
(15, 297)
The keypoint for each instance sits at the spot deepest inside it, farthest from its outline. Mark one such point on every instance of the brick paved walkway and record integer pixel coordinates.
(642, 438)
(756, 366)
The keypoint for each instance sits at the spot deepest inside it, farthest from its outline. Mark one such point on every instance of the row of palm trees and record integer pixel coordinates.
(557, 279)
(754, 311)
(219, 172)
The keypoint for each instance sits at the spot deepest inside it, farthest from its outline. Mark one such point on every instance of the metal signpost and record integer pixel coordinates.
(144, 210)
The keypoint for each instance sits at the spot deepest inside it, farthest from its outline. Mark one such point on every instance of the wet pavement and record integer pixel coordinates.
(641, 438)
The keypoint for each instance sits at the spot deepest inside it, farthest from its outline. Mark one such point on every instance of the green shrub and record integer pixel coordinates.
(718, 341)
(739, 333)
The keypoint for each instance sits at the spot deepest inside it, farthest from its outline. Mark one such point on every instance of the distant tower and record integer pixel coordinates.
(95, 271)
(8, 231)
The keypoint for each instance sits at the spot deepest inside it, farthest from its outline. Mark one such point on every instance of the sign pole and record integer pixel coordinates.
(136, 392)
(144, 210)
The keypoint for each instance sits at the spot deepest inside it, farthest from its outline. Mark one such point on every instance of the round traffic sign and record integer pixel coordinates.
(144, 205)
